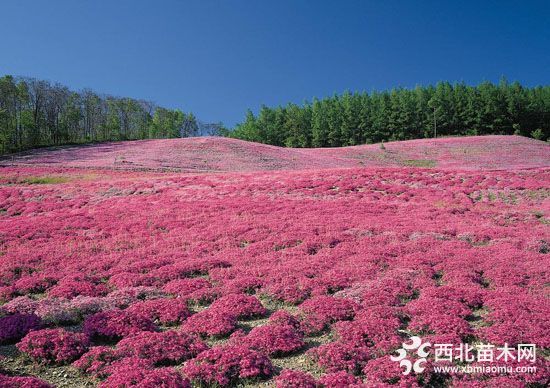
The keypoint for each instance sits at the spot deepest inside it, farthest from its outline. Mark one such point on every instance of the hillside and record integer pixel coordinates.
(303, 269)
(207, 154)
(319, 265)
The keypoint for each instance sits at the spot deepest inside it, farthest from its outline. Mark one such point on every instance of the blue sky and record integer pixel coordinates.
(218, 58)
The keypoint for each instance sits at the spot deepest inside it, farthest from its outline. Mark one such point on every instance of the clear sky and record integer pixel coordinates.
(218, 58)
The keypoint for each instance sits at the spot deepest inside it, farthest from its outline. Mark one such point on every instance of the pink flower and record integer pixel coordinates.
(71, 288)
(335, 356)
(211, 323)
(242, 306)
(225, 365)
(116, 324)
(56, 346)
(321, 311)
(34, 284)
(274, 340)
(284, 318)
(22, 382)
(185, 287)
(146, 378)
(96, 360)
(164, 348)
(385, 371)
(164, 311)
(295, 379)
(339, 380)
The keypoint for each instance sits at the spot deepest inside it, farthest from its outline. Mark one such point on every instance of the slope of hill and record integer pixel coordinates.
(305, 269)
(205, 154)
(314, 262)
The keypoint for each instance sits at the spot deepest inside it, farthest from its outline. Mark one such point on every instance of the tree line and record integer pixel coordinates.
(37, 113)
(400, 114)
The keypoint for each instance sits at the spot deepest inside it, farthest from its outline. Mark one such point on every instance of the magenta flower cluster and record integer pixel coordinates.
(289, 378)
(224, 365)
(22, 382)
(211, 322)
(163, 311)
(131, 376)
(274, 340)
(321, 311)
(55, 346)
(242, 306)
(16, 326)
(164, 348)
(116, 324)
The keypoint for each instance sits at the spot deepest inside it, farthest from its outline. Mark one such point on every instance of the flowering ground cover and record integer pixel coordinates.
(277, 278)
(207, 154)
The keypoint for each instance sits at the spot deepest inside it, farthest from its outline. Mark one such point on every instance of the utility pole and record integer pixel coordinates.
(435, 125)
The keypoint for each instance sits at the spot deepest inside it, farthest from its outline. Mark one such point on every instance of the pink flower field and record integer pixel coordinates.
(209, 154)
(124, 265)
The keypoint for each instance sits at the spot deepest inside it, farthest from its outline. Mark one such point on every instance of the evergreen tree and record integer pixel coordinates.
(400, 114)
